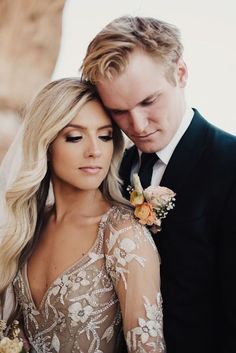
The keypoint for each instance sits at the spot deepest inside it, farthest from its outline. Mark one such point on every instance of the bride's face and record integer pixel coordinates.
(81, 154)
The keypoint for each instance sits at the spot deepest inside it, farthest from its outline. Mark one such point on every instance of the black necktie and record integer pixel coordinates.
(145, 171)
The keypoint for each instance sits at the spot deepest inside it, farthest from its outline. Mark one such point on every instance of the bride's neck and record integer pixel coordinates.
(85, 203)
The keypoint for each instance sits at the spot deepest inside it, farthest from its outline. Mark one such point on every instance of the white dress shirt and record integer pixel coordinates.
(166, 153)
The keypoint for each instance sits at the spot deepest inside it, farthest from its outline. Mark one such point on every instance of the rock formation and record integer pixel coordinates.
(30, 33)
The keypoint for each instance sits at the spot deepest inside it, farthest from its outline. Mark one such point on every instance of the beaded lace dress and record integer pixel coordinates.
(116, 284)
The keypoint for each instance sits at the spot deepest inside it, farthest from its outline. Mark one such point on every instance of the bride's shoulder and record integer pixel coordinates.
(121, 217)
(121, 225)
(121, 214)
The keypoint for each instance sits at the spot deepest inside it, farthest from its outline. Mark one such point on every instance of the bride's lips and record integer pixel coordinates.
(90, 169)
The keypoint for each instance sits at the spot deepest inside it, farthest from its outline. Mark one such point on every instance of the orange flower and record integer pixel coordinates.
(152, 204)
(145, 213)
(136, 198)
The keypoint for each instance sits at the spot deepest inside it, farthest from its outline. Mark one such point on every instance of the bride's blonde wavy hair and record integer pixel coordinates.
(52, 109)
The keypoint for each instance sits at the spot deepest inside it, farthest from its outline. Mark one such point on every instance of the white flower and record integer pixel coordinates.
(146, 329)
(151, 327)
(10, 346)
(153, 311)
(61, 285)
(123, 253)
(78, 313)
(81, 280)
(137, 184)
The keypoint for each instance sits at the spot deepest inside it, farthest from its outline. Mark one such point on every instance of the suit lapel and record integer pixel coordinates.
(187, 153)
(129, 158)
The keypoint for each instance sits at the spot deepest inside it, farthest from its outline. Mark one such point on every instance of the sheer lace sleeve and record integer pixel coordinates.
(133, 263)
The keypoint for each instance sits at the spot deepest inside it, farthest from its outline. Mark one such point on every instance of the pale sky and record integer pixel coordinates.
(208, 30)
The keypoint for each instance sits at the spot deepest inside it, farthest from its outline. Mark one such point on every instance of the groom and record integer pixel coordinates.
(137, 66)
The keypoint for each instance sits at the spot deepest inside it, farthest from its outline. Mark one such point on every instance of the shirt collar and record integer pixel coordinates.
(165, 153)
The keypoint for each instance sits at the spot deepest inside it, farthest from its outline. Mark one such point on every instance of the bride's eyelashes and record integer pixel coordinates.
(73, 138)
(104, 138)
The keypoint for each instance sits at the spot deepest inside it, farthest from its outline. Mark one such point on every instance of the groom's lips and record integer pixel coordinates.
(143, 137)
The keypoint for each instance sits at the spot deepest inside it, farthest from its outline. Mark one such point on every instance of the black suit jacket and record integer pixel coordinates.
(197, 244)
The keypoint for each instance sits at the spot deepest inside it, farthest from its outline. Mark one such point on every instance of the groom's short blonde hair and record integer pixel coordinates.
(108, 53)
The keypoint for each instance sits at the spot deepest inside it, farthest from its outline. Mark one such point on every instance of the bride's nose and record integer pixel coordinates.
(93, 149)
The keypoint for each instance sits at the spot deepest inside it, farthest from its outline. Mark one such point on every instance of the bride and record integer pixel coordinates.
(81, 266)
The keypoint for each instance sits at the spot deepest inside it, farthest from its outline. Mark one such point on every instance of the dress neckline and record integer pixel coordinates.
(70, 268)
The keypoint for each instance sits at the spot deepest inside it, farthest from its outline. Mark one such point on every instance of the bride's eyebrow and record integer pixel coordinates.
(80, 127)
(105, 127)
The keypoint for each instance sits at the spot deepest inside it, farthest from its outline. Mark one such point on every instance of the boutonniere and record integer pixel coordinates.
(152, 204)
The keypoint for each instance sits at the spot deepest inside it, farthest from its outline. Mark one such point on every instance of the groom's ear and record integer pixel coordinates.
(182, 73)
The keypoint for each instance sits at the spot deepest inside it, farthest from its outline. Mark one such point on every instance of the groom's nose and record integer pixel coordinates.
(138, 120)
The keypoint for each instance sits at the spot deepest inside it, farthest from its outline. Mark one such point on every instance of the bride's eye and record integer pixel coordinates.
(106, 138)
(73, 138)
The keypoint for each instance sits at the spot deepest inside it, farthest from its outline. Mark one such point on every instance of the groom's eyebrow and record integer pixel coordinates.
(144, 100)
(114, 110)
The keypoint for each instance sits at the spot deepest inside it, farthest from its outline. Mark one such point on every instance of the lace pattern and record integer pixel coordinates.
(82, 309)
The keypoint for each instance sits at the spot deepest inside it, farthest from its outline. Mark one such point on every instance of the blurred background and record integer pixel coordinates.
(45, 40)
